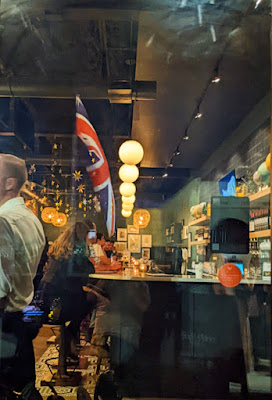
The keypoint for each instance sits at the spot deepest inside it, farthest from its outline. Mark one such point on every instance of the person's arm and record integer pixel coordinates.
(104, 260)
(7, 261)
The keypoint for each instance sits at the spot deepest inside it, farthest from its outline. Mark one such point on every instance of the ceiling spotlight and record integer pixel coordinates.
(216, 79)
(198, 115)
(177, 152)
(171, 164)
(165, 175)
(186, 137)
(257, 3)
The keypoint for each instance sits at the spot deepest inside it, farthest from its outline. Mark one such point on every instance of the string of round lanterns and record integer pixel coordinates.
(131, 153)
(48, 214)
(59, 220)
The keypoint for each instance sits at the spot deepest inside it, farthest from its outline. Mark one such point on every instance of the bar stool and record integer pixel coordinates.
(62, 377)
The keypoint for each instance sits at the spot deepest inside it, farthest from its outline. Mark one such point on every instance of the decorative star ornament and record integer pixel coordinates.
(52, 183)
(59, 203)
(32, 169)
(55, 146)
(44, 199)
(80, 205)
(81, 188)
(77, 176)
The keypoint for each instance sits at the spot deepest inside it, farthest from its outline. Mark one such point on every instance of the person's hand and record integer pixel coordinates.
(116, 265)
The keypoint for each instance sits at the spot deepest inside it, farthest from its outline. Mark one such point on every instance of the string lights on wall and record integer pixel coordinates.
(213, 79)
(196, 115)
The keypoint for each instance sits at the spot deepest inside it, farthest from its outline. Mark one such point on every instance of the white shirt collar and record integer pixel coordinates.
(8, 205)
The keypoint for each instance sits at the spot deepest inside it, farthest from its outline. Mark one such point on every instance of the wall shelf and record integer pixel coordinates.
(260, 234)
(260, 198)
(199, 242)
(203, 221)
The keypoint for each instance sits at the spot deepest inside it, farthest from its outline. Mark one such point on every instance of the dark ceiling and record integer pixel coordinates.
(163, 51)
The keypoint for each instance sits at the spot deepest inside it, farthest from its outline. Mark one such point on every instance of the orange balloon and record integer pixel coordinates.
(268, 161)
(229, 275)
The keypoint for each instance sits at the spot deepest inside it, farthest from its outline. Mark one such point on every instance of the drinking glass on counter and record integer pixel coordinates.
(199, 270)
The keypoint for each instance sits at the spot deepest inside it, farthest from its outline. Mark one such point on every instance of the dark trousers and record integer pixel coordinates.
(17, 368)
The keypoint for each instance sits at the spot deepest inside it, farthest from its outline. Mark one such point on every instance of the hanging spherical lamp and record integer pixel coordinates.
(48, 214)
(59, 220)
(127, 189)
(131, 152)
(125, 213)
(128, 173)
(127, 207)
(141, 218)
(128, 200)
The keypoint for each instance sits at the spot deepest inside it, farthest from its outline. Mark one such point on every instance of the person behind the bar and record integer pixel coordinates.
(21, 244)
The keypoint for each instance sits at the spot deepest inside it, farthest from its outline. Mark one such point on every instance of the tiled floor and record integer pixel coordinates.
(90, 371)
(257, 381)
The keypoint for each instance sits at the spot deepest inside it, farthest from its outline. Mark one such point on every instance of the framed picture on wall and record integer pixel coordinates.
(133, 229)
(146, 240)
(146, 253)
(120, 246)
(121, 235)
(134, 243)
(126, 256)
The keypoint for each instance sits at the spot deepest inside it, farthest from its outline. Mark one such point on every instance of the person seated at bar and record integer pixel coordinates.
(108, 249)
(104, 263)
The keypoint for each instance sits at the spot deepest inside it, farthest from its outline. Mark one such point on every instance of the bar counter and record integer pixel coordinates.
(169, 278)
(173, 336)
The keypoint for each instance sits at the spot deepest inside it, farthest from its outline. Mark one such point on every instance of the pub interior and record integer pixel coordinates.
(145, 130)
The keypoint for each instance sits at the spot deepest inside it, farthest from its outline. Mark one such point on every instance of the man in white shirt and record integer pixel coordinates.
(21, 244)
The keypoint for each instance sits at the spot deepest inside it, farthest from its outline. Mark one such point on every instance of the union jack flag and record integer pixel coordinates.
(98, 169)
